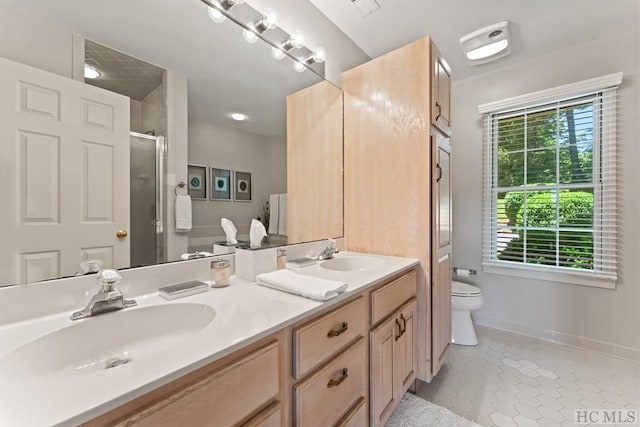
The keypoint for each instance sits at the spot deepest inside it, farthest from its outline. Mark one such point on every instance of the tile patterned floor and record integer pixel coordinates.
(517, 381)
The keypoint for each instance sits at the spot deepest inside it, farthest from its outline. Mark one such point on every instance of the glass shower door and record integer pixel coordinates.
(147, 243)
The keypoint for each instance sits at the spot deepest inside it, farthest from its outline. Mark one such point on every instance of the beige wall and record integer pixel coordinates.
(537, 307)
(229, 148)
(34, 42)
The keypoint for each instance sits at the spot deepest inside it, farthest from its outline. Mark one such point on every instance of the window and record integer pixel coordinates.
(550, 184)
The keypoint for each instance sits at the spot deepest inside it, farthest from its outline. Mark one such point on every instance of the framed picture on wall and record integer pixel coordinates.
(220, 184)
(197, 176)
(242, 191)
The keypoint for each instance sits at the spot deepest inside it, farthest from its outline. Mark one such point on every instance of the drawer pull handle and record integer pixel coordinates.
(404, 324)
(400, 332)
(336, 383)
(339, 332)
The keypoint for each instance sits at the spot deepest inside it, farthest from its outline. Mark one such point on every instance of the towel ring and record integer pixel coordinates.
(181, 184)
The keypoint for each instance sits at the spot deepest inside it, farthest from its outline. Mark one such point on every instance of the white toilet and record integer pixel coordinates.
(464, 299)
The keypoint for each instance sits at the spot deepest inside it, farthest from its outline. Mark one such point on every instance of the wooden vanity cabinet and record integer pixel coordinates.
(347, 366)
(243, 389)
(393, 354)
(393, 106)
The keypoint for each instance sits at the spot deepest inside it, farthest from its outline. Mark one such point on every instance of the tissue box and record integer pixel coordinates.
(250, 263)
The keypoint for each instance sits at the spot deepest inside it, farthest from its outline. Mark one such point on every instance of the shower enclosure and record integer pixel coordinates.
(147, 215)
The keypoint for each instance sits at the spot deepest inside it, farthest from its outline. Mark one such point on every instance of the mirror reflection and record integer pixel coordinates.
(109, 127)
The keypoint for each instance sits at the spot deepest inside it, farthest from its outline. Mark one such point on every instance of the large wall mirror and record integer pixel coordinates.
(113, 109)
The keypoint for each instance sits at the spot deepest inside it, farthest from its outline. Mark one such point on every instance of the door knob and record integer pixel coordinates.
(121, 234)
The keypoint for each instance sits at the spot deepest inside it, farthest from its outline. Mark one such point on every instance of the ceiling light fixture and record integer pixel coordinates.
(255, 25)
(239, 117)
(90, 72)
(487, 44)
(215, 15)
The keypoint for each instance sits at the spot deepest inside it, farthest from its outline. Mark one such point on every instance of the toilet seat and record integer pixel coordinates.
(459, 289)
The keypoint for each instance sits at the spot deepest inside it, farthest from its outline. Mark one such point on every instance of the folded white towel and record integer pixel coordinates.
(298, 284)
(282, 215)
(183, 213)
(274, 205)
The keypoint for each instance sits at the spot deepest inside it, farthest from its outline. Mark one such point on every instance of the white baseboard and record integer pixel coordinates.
(585, 343)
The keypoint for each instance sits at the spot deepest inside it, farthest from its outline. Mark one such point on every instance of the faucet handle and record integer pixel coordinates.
(109, 279)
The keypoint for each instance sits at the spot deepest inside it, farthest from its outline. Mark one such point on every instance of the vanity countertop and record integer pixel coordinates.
(244, 313)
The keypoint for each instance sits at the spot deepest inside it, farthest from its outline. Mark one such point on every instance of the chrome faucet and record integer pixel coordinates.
(329, 251)
(109, 298)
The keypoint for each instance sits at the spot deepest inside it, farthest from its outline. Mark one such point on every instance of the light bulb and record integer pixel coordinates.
(268, 21)
(319, 55)
(90, 72)
(277, 53)
(249, 36)
(215, 15)
(239, 117)
(299, 66)
(271, 19)
(295, 40)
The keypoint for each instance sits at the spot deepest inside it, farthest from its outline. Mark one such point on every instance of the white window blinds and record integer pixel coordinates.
(550, 185)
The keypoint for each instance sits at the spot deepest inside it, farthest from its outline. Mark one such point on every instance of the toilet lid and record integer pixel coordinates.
(464, 290)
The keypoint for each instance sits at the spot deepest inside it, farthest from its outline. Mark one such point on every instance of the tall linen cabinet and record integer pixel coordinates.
(397, 178)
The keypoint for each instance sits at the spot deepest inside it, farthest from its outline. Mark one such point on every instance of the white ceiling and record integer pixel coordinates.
(537, 26)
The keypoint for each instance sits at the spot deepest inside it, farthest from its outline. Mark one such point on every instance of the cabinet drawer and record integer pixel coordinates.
(316, 341)
(323, 398)
(223, 398)
(388, 298)
(270, 417)
(357, 416)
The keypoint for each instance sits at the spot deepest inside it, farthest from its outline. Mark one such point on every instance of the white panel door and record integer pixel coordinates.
(64, 175)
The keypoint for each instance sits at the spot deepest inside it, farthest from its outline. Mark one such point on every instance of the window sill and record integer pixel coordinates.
(550, 274)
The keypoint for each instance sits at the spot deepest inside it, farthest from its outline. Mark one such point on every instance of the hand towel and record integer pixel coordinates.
(183, 213)
(229, 230)
(282, 215)
(298, 284)
(256, 233)
(274, 205)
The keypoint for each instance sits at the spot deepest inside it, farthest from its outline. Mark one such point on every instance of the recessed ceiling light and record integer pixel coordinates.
(239, 117)
(90, 72)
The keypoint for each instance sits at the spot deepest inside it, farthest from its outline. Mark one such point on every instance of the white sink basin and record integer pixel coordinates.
(106, 341)
(351, 264)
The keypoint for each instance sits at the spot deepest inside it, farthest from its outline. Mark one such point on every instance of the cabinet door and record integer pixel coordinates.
(441, 93)
(314, 165)
(406, 363)
(383, 354)
(441, 250)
